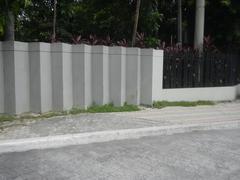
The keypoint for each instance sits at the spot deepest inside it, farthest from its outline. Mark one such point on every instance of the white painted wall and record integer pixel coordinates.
(22, 77)
(82, 76)
(146, 76)
(67, 76)
(133, 75)
(100, 75)
(195, 94)
(238, 90)
(41, 77)
(117, 75)
(35, 77)
(57, 76)
(16, 77)
(151, 75)
(157, 74)
(9, 78)
(62, 76)
(46, 77)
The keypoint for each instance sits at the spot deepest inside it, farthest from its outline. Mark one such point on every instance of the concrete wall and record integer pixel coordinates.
(82, 76)
(62, 88)
(238, 90)
(8, 78)
(195, 94)
(133, 74)
(41, 77)
(117, 75)
(100, 75)
(151, 75)
(16, 77)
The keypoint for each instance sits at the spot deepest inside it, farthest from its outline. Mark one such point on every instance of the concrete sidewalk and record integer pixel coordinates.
(89, 128)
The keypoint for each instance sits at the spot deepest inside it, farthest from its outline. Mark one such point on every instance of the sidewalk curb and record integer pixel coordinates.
(19, 145)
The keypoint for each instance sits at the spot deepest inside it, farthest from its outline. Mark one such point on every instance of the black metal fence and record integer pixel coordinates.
(189, 69)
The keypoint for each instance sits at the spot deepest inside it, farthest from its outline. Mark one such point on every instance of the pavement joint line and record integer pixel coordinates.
(48, 142)
(188, 113)
(187, 119)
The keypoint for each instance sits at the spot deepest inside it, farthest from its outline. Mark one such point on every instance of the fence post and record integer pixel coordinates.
(133, 76)
(100, 75)
(238, 90)
(151, 75)
(62, 76)
(117, 75)
(16, 77)
(82, 72)
(1, 81)
(40, 77)
(157, 75)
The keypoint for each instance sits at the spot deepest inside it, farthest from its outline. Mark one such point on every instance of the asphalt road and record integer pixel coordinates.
(197, 155)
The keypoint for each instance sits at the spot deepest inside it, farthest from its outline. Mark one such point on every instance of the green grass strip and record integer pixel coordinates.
(4, 118)
(162, 104)
(111, 108)
(92, 109)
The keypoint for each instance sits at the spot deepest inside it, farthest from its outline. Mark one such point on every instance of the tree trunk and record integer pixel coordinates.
(135, 23)
(180, 22)
(199, 25)
(54, 21)
(9, 34)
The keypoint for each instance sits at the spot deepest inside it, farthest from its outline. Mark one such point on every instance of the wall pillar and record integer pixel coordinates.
(82, 76)
(16, 77)
(62, 76)
(117, 70)
(133, 76)
(100, 75)
(238, 90)
(40, 77)
(151, 75)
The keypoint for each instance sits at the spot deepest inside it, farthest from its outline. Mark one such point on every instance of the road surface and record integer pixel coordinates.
(197, 155)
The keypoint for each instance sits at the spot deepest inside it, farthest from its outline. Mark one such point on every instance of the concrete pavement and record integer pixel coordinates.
(212, 155)
(89, 128)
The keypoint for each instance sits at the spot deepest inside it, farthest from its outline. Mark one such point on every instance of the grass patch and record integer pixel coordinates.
(4, 118)
(73, 111)
(53, 114)
(76, 110)
(162, 104)
(111, 108)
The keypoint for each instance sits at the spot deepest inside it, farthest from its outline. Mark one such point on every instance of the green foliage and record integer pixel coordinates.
(51, 114)
(111, 108)
(114, 18)
(13, 6)
(4, 117)
(2, 22)
(76, 110)
(16, 5)
(225, 30)
(226, 2)
(162, 104)
(150, 18)
(38, 15)
(152, 42)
